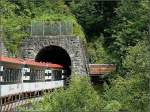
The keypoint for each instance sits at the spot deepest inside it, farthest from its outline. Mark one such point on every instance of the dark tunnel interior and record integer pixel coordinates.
(55, 54)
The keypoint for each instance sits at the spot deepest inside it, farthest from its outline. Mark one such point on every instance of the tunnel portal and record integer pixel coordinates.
(67, 50)
(55, 54)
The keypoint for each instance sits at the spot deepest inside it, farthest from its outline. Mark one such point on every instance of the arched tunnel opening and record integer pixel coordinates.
(57, 55)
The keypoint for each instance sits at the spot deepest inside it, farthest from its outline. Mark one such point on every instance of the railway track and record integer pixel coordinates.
(11, 102)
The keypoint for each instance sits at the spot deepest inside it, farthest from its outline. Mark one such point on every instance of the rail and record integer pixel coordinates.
(11, 102)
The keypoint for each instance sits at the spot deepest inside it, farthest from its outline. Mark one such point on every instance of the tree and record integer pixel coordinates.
(17, 15)
(132, 90)
(94, 16)
(13, 25)
(97, 53)
(128, 27)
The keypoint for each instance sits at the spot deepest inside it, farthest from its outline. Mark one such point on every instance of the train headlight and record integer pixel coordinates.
(1, 68)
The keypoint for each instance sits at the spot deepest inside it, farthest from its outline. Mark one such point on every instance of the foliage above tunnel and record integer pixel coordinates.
(69, 22)
(17, 15)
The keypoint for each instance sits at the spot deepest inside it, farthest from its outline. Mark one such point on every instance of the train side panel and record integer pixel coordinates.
(29, 87)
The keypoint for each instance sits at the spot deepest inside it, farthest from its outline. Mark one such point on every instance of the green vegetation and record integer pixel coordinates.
(116, 32)
(17, 16)
(97, 53)
(132, 90)
(118, 25)
(78, 97)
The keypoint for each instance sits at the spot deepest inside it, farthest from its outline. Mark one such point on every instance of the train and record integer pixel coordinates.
(23, 76)
(22, 79)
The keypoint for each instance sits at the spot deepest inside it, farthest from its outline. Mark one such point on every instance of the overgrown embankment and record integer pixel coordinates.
(17, 16)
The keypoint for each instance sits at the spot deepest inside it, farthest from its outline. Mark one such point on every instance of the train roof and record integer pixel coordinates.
(42, 64)
(11, 60)
(29, 62)
(33, 63)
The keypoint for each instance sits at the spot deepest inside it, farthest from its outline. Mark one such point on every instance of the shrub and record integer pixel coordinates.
(78, 97)
(113, 106)
(132, 90)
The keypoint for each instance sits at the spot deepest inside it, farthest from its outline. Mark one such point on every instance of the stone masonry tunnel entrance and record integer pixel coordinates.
(55, 54)
(62, 49)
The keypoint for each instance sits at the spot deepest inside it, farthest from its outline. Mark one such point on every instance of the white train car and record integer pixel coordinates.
(18, 76)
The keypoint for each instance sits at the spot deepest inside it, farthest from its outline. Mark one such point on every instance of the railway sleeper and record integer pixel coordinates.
(22, 96)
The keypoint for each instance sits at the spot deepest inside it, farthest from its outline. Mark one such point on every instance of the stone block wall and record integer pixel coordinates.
(73, 45)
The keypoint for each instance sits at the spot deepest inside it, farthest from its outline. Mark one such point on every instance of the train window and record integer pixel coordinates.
(1, 68)
(37, 75)
(25, 70)
(62, 76)
(11, 75)
(1, 75)
(63, 71)
(1, 78)
(48, 78)
(48, 75)
(26, 77)
(48, 72)
(57, 74)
